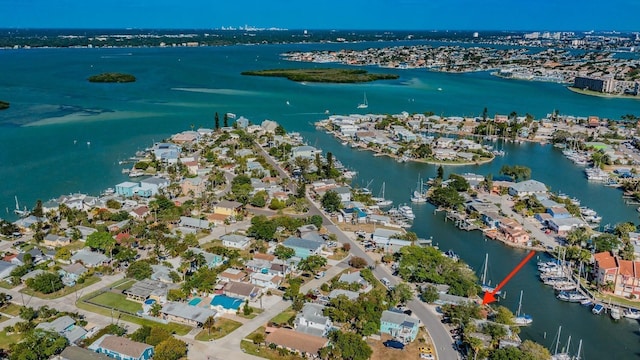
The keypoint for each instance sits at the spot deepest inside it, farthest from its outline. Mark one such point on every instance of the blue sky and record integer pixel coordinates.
(325, 14)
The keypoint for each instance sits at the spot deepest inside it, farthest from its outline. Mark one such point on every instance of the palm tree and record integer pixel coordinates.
(209, 323)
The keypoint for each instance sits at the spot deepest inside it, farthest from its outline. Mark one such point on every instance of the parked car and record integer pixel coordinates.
(385, 282)
(394, 344)
(319, 275)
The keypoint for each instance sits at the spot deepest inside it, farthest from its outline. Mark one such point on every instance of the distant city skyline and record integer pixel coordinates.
(475, 15)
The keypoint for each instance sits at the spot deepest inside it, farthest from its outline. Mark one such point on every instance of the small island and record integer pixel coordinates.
(112, 78)
(4, 105)
(326, 75)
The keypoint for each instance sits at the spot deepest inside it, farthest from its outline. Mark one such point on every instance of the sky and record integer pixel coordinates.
(618, 15)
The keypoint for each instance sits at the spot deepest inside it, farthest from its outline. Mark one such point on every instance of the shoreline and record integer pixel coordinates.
(601, 95)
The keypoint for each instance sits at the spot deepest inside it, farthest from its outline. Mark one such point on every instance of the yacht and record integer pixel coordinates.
(522, 319)
(631, 314)
(418, 198)
(615, 313)
(571, 296)
(381, 202)
(364, 104)
(597, 309)
(407, 212)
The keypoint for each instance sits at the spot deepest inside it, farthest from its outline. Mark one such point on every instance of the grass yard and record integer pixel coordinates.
(116, 301)
(283, 317)
(263, 351)
(253, 314)
(222, 328)
(123, 284)
(11, 309)
(179, 329)
(6, 285)
(62, 292)
(7, 340)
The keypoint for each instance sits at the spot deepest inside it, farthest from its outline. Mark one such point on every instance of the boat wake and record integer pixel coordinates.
(218, 91)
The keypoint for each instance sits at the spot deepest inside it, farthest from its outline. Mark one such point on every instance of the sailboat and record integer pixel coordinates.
(364, 104)
(381, 201)
(19, 212)
(486, 286)
(418, 195)
(522, 319)
(564, 355)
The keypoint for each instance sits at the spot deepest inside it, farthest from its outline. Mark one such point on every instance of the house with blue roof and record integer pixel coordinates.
(303, 247)
(127, 188)
(401, 326)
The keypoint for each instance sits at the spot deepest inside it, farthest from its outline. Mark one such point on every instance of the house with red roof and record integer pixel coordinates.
(623, 274)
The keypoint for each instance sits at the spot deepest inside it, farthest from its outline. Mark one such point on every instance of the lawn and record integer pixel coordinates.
(179, 329)
(11, 309)
(62, 292)
(283, 317)
(116, 301)
(253, 314)
(6, 285)
(7, 340)
(222, 328)
(263, 351)
(123, 284)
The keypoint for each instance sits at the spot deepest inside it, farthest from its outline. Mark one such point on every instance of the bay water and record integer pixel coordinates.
(63, 134)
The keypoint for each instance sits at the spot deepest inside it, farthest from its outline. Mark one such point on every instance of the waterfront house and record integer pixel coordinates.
(624, 275)
(301, 343)
(305, 151)
(66, 327)
(311, 320)
(186, 314)
(149, 289)
(344, 192)
(122, 348)
(185, 137)
(564, 225)
(89, 258)
(228, 208)
(166, 152)
(558, 212)
(154, 184)
(383, 237)
(195, 185)
(527, 187)
(269, 126)
(399, 325)
(303, 247)
(242, 122)
(127, 188)
(235, 241)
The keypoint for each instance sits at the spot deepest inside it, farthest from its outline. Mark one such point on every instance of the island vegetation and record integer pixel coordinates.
(112, 78)
(326, 75)
(4, 105)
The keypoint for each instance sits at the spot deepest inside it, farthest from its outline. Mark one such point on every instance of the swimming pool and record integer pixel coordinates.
(195, 301)
(226, 302)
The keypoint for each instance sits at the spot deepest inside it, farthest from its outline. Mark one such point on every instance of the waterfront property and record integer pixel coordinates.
(121, 348)
(622, 275)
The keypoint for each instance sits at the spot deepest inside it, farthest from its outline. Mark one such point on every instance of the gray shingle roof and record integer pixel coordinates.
(302, 243)
(194, 313)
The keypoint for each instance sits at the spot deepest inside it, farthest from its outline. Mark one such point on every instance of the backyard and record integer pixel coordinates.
(62, 292)
(117, 302)
(263, 351)
(222, 328)
(284, 317)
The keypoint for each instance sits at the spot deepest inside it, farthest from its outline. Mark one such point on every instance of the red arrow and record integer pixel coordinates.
(490, 297)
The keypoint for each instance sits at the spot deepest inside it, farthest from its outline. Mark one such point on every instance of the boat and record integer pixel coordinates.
(586, 302)
(597, 309)
(344, 143)
(418, 196)
(407, 212)
(380, 200)
(365, 103)
(451, 255)
(571, 296)
(486, 285)
(615, 313)
(564, 355)
(564, 286)
(522, 319)
(17, 211)
(631, 314)
(231, 115)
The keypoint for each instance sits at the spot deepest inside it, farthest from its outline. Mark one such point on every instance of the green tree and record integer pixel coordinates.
(312, 263)
(209, 323)
(45, 283)
(157, 335)
(504, 316)
(225, 120)
(155, 309)
(516, 172)
(606, 242)
(348, 345)
(284, 252)
(259, 199)
(141, 334)
(401, 293)
(358, 262)
(262, 228)
(216, 121)
(429, 294)
(331, 201)
(38, 345)
(28, 313)
(139, 270)
(100, 240)
(508, 353)
(440, 172)
(170, 349)
(534, 350)
(63, 254)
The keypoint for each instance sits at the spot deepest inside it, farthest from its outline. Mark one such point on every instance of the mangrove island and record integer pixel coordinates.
(112, 78)
(326, 75)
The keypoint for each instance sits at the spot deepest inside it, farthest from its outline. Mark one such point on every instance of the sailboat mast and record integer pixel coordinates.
(568, 343)
(519, 304)
(486, 264)
(17, 205)
(555, 352)
(579, 350)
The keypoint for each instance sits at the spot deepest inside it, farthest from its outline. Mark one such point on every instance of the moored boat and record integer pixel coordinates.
(631, 314)
(571, 296)
(597, 309)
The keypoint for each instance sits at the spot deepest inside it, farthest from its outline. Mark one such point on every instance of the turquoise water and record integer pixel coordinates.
(55, 112)
(226, 302)
(194, 301)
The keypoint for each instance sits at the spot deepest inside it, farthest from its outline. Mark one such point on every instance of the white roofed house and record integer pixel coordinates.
(344, 192)
(312, 321)
(89, 258)
(154, 184)
(235, 241)
(269, 281)
(304, 151)
(527, 187)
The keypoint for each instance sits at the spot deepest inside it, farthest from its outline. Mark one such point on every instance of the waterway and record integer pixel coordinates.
(63, 134)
